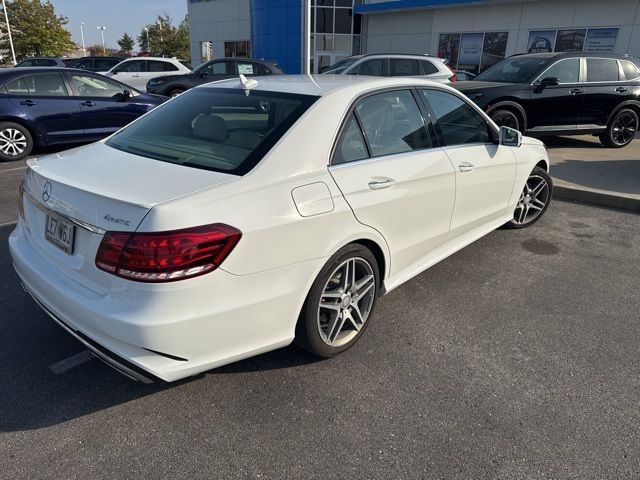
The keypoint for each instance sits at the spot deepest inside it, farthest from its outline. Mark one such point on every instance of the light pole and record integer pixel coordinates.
(6, 19)
(84, 50)
(146, 29)
(159, 23)
(102, 28)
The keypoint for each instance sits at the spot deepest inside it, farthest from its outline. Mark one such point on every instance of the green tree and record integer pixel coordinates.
(165, 39)
(37, 30)
(126, 43)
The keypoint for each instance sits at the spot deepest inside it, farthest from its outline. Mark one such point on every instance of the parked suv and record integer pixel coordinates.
(41, 62)
(136, 72)
(395, 65)
(95, 64)
(562, 94)
(220, 69)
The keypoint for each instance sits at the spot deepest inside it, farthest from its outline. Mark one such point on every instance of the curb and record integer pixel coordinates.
(596, 198)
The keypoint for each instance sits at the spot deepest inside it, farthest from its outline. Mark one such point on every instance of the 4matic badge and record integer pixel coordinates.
(119, 221)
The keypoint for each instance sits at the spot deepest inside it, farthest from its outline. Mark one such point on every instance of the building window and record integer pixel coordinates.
(595, 40)
(240, 49)
(473, 52)
(335, 32)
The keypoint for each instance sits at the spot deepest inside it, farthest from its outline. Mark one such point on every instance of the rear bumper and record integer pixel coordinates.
(170, 331)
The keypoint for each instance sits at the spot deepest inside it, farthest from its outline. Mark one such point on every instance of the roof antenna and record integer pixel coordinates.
(247, 83)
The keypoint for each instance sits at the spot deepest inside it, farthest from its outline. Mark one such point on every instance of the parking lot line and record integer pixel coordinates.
(73, 361)
(14, 169)
(7, 224)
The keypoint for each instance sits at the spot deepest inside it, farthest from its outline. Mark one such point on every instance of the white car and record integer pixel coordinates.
(136, 72)
(245, 214)
(395, 65)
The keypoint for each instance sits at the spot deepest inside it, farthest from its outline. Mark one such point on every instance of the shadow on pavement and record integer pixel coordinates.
(622, 176)
(32, 396)
(572, 142)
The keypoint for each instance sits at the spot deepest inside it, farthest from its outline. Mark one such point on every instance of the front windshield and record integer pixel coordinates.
(221, 129)
(513, 70)
(341, 66)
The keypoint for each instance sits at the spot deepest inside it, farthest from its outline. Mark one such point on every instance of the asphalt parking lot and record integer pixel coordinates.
(515, 358)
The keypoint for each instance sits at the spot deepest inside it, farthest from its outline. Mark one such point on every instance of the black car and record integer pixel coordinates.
(172, 85)
(562, 94)
(41, 62)
(95, 64)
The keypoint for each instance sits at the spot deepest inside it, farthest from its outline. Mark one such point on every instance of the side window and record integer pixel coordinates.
(247, 68)
(372, 67)
(45, 85)
(90, 86)
(264, 70)
(630, 70)
(222, 68)
(459, 122)
(351, 145)
(26, 63)
(392, 123)
(82, 63)
(104, 64)
(602, 70)
(133, 66)
(566, 71)
(403, 67)
(427, 67)
(17, 87)
(158, 66)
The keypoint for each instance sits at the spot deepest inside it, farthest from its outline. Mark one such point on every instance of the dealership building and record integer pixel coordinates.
(472, 34)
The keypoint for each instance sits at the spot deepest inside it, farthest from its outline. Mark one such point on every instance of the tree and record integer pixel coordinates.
(97, 51)
(126, 43)
(37, 30)
(164, 39)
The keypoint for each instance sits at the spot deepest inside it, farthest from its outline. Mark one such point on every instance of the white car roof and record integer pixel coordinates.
(320, 85)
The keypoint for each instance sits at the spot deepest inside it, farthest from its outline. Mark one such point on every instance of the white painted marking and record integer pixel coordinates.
(14, 169)
(7, 224)
(73, 361)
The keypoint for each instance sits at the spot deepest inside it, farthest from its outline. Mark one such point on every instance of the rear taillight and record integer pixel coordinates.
(21, 199)
(454, 77)
(166, 256)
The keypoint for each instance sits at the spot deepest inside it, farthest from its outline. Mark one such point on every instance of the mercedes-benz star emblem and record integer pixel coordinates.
(46, 192)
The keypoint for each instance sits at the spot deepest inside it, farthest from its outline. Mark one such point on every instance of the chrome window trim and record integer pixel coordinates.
(74, 221)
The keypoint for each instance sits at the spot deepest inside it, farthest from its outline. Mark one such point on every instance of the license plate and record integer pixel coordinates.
(59, 232)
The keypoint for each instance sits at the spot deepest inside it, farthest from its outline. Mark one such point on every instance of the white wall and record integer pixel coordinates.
(217, 21)
(417, 31)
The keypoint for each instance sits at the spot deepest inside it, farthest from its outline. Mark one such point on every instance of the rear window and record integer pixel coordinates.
(222, 130)
(602, 70)
(630, 70)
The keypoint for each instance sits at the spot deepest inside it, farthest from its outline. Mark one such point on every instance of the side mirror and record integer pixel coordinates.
(510, 137)
(549, 82)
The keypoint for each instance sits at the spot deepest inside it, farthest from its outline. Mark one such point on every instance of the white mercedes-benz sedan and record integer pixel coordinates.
(246, 214)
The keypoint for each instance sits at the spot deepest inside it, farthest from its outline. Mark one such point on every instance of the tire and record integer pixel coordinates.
(175, 92)
(16, 142)
(507, 118)
(622, 129)
(326, 331)
(533, 203)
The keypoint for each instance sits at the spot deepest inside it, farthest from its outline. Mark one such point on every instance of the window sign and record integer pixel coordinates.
(570, 40)
(494, 48)
(470, 52)
(448, 47)
(601, 40)
(541, 41)
(245, 69)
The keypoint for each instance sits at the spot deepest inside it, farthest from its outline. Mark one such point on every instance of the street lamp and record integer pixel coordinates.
(6, 19)
(146, 29)
(102, 28)
(159, 23)
(84, 50)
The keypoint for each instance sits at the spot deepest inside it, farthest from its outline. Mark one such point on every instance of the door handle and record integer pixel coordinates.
(88, 103)
(621, 89)
(466, 167)
(28, 103)
(577, 91)
(379, 184)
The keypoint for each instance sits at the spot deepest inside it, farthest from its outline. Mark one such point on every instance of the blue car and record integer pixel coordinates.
(50, 106)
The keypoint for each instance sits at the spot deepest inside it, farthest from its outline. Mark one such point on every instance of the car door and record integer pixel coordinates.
(104, 107)
(45, 101)
(604, 90)
(131, 73)
(485, 171)
(558, 105)
(394, 177)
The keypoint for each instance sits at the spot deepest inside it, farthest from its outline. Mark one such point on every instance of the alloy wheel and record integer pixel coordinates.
(624, 128)
(346, 301)
(503, 118)
(533, 200)
(12, 142)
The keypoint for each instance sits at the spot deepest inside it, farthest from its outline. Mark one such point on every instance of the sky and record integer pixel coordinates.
(118, 16)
